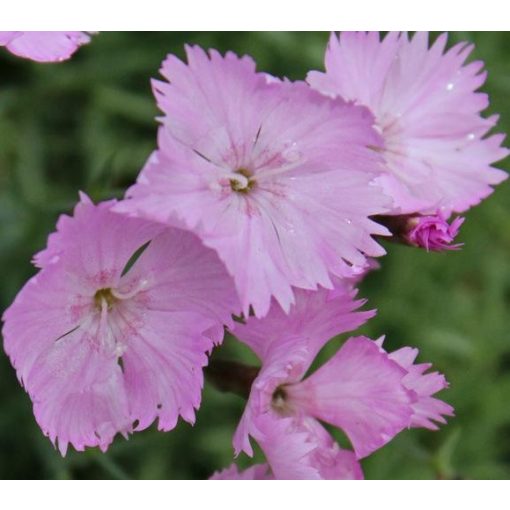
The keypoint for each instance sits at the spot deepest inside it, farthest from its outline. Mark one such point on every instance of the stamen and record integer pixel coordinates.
(104, 332)
(241, 180)
(279, 401)
(104, 297)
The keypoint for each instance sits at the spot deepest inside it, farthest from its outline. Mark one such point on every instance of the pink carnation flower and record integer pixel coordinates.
(43, 46)
(270, 174)
(370, 394)
(296, 446)
(434, 233)
(103, 348)
(426, 104)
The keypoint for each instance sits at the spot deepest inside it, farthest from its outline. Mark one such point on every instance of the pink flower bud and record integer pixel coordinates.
(434, 233)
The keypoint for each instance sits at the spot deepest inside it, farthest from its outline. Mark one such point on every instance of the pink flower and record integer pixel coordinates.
(426, 104)
(256, 472)
(434, 233)
(102, 347)
(44, 46)
(270, 174)
(296, 446)
(370, 394)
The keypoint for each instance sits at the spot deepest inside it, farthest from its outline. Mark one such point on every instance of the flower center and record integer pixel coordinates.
(279, 402)
(104, 296)
(242, 180)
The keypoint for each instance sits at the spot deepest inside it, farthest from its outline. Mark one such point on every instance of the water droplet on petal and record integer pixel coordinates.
(449, 87)
(471, 136)
(291, 152)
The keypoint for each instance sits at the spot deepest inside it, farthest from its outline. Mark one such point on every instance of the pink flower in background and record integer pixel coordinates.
(369, 394)
(105, 347)
(434, 233)
(44, 46)
(437, 150)
(272, 175)
(257, 472)
(296, 446)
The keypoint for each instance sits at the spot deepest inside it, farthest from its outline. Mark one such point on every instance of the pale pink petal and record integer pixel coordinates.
(76, 387)
(334, 462)
(162, 363)
(301, 449)
(359, 390)
(241, 440)
(186, 291)
(287, 447)
(426, 409)
(404, 202)
(338, 464)
(357, 64)
(46, 46)
(111, 241)
(180, 274)
(7, 37)
(78, 393)
(313, 320)
(212, 95)
(49, 306)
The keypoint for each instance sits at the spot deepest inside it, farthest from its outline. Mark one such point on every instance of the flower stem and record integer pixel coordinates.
(231, 376)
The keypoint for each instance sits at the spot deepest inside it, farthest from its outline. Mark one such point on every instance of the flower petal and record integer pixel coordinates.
(7, 37)
(426, 409)
(78, 393)
(361, 391)
(47, 46)
(96, 243)
(314, 319)
(301, 449)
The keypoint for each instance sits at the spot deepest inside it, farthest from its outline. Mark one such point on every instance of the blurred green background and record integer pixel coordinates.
(89, 124)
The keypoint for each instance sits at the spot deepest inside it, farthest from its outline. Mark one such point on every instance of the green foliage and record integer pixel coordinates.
(88, 124)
